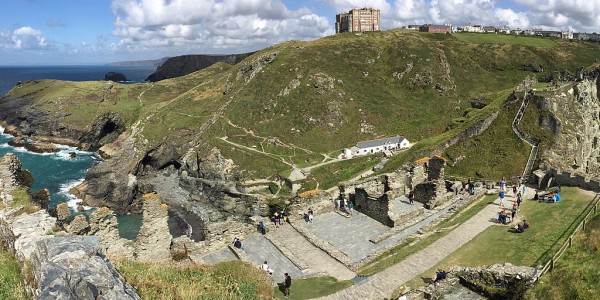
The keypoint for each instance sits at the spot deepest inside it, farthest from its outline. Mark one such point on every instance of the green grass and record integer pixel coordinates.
(324, 120)
(11, 282)
(551, 225)
(495, 153)
(330, 175)
(227, 280)
(311, 288)
(402, 251)
(505, 39)
(576, 273)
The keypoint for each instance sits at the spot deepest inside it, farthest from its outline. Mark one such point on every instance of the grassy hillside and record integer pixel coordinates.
(316, 98)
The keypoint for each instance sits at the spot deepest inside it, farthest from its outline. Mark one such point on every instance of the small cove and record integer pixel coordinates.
(59, 172)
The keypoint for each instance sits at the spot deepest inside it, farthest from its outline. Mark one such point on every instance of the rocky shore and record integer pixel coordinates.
(55, 265)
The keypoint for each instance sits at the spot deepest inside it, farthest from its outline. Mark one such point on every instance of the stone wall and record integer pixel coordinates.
(432, 193)
(154, 240)
(568, 179)
(374, 207)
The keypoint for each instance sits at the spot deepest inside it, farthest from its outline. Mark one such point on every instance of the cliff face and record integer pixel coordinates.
(574, 119)
(186, 64)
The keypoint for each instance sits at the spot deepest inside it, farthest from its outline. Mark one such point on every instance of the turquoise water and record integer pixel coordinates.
(57, 172)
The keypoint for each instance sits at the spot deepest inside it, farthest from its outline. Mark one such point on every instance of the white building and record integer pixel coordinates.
(377, 146)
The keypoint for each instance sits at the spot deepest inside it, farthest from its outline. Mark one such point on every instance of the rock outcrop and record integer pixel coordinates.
(573, 119)
(115, 76)
(186, 64)
(74, 268)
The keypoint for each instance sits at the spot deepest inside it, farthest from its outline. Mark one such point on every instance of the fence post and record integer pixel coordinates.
(583, 225)
(570, 241)
(552, 264)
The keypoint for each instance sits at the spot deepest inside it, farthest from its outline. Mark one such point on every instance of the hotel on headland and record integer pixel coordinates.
(358, 20)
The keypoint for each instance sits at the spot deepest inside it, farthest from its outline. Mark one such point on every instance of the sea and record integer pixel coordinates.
(10, 75)
(59, 172)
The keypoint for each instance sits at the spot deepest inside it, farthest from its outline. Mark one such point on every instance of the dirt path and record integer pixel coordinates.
(383, 284)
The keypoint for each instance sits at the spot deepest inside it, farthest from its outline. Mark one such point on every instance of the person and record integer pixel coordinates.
(338, 201)
(520, 228)
(411, 197)
(439, 275)
(501, 195)
(502, 217)
(519, 199)
(514, 213)
(526, 224)
(262, 228)
(524, 189)
(514, 191)
(557, 190)
(265, 267)
(287, 284)
(536, 196)
(350, 207)
(311, 215)
(503, 184)
(281, 217)
(238, 244)
(276, 219)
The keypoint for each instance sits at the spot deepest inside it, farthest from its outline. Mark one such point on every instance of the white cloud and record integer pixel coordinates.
(213, 25)
(23, 38)
(581, 15)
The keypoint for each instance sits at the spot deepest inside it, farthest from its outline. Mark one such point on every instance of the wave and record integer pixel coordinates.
(73, 202)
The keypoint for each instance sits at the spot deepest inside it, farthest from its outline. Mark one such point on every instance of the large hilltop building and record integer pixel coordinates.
(358, 20)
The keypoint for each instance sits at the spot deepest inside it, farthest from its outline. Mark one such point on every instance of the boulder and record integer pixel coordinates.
(115, 76)
(74, 268)
(63, 211)
(79, 225)
(42, 197)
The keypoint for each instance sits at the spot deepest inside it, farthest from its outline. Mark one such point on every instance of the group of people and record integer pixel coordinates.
(520, 228)
(344, 204)
(287, 279)
(552, 197)
(279, 218)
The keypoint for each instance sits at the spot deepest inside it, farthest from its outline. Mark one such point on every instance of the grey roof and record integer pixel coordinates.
(380, 142)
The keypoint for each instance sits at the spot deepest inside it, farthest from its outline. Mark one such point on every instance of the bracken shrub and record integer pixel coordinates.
(226, 280)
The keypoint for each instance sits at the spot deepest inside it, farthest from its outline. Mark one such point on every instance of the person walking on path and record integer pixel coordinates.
(411, 197)
(287, 284)
(501, 195)
(350, 207)
(503, 184)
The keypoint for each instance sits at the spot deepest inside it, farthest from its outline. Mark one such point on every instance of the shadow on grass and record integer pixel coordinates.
(427, 280)
(281, 288)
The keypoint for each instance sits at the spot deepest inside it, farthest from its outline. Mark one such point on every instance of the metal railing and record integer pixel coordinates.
(593, 209)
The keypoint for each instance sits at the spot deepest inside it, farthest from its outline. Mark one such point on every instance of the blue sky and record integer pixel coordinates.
(44, 32)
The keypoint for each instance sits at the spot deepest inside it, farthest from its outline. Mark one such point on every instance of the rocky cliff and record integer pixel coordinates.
(186, 64)
(575, 121)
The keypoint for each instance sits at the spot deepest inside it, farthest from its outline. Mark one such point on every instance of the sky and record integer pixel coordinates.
(58, 32)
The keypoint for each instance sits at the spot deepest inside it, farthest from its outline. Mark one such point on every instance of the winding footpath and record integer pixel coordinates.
(383, 284)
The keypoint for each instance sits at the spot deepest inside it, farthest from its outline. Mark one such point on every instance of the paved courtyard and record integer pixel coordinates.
(351, 235)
